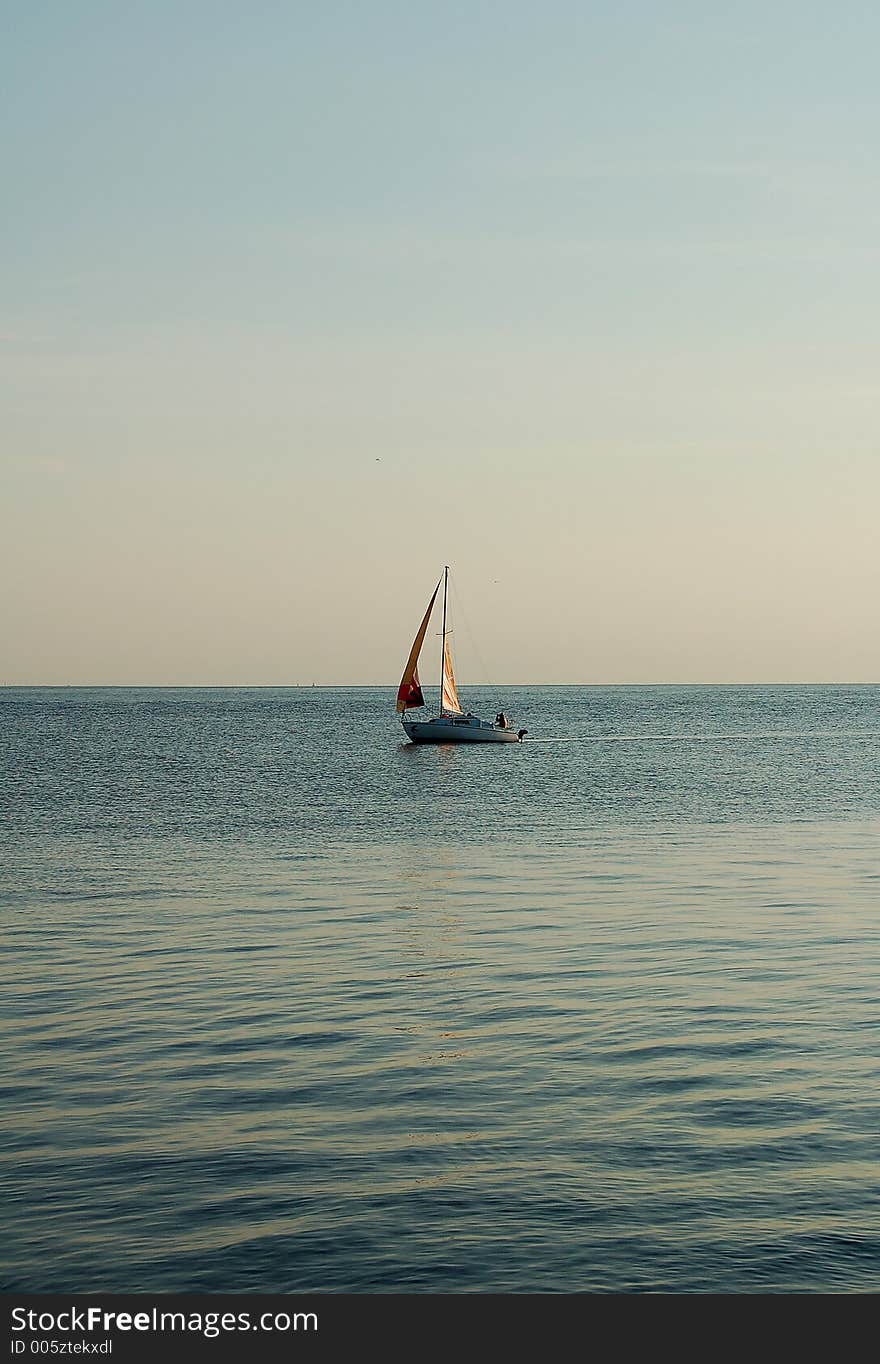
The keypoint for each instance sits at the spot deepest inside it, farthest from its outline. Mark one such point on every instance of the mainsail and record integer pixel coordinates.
(448, 694)
(409, 693)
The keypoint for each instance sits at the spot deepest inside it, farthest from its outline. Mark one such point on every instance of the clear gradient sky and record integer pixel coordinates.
(302, 301)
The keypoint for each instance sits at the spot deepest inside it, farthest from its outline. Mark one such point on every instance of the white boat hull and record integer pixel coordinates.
(464, 729)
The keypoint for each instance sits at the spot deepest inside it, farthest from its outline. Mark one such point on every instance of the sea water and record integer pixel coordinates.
(292, 1005)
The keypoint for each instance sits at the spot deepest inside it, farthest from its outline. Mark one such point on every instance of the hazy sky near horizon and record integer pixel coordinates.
(301, 302)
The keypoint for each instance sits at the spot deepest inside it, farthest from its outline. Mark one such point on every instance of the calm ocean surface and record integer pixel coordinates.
(291, 1005)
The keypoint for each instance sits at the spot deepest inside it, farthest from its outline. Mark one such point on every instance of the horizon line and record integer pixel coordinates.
(392, 686)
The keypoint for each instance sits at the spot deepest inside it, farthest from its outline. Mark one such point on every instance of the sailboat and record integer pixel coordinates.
(451, 725)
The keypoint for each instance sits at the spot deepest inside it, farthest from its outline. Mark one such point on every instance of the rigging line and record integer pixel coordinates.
(472, 640)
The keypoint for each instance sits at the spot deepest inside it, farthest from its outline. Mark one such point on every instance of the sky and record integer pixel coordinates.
(302, 302)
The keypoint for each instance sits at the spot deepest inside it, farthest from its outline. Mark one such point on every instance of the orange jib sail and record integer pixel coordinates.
(409, 693)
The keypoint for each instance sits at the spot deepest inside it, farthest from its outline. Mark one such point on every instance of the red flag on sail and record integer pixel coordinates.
(410, 693)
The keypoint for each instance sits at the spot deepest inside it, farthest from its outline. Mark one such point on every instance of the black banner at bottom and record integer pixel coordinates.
(128, 1328)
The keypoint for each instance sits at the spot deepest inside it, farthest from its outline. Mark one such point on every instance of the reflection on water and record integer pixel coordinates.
(283, 1017)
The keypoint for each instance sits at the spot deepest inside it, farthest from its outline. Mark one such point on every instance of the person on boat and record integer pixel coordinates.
(501, 720)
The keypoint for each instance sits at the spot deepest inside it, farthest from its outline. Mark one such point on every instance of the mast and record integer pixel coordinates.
(443, 641)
